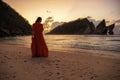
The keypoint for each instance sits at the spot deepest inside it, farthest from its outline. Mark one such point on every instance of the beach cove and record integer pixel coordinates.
(81, 40)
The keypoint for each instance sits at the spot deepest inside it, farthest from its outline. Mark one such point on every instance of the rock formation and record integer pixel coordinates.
(101, 28)
(110, 29)
(83, 26)
(79, 26)
(11, 22)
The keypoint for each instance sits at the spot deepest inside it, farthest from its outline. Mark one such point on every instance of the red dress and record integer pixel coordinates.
(38, 46)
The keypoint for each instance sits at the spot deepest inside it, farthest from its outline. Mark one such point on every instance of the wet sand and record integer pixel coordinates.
(62, 64)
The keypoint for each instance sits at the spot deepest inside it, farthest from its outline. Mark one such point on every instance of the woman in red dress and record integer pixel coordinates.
(38, 46)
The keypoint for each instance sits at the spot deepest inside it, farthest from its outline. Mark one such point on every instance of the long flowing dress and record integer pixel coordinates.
(38, 46)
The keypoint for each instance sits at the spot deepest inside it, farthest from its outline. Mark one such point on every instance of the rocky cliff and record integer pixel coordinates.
(83, 26)
(103, 29)
(79, 26)
(11, 22)
(110, 29)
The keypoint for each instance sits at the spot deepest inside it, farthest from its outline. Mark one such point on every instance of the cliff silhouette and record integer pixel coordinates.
(103, 29)
(11, 22)
(83, 26)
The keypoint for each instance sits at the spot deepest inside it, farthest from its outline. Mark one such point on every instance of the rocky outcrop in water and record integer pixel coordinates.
(101, 28)
(110, 29)
(11, 22)
(83, 26)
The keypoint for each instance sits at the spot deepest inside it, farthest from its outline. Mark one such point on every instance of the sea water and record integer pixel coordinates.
(93, 42)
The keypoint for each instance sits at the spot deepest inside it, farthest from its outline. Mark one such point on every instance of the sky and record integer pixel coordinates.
(67, 10)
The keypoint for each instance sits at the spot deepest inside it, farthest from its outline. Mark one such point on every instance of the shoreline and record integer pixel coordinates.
(62, 64)
(111, 54)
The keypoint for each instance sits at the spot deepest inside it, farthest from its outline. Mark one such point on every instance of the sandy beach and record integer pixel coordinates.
(62, 64)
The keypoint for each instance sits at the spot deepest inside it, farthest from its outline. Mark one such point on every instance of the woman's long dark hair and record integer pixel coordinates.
(39, 19)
